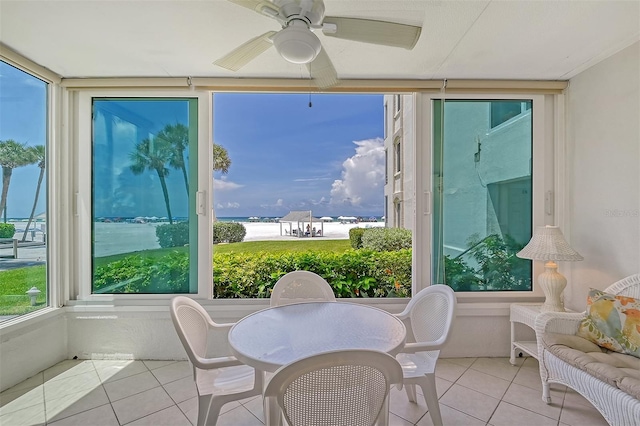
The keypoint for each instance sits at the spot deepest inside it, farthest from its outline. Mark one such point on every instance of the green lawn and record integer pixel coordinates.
(13, 288)
(279, 246)
(14, 283)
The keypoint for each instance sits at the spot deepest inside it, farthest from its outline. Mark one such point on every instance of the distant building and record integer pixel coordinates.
(482, 182)
(399, 153)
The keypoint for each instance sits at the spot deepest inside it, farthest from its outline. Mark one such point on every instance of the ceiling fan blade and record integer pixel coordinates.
(261, 6)
(372, 31)
(245, 53)
(322, 71)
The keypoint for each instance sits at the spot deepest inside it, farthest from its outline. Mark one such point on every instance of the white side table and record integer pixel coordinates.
(523, 313)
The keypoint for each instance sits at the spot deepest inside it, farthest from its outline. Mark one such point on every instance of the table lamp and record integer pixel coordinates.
(548, 244)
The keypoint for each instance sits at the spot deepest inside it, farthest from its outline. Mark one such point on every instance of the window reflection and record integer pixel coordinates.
(23, 199)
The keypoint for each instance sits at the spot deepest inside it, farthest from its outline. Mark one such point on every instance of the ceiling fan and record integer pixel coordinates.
(297, 43)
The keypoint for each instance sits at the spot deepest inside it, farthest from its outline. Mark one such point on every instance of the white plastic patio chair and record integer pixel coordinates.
(218, 380)
(349, 388)
(301, 286)
(429, 315)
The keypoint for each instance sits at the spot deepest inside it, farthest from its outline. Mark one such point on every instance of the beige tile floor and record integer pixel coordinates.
(472, 391)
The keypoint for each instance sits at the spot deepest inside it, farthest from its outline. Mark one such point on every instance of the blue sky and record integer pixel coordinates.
(285, 155)
(23, 119)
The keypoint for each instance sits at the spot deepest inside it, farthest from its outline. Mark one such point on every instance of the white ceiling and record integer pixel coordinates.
(544, 39)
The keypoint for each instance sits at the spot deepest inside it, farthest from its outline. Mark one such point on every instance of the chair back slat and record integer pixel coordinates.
(348, 388)
(301, 286)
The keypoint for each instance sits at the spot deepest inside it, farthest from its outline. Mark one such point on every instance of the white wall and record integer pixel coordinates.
(603, 152)
(32, 347)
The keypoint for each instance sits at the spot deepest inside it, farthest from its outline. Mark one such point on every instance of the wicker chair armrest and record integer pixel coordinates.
(558, 322)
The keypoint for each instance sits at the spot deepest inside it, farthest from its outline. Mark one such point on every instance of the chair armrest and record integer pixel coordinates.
(558, 322)
(411, 348)
(553, 322)
(221, 327)
(212, 363)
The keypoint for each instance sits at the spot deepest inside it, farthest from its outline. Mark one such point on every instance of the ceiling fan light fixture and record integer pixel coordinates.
(297, 44)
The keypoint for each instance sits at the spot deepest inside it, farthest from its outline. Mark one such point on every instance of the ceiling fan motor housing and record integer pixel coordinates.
(296, 43)
(311, 11)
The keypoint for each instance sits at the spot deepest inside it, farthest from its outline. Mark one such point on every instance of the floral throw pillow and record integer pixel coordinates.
(612, 322)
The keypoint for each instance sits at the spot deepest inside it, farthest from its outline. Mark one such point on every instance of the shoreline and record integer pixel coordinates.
(121, 237)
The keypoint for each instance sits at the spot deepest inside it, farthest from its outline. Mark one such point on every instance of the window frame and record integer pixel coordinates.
(548, 108)
(546, 119)
(397, 156)
(53, 92)
(83, 196)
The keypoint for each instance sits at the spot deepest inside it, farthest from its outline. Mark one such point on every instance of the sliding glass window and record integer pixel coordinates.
(482, 185)
(144, 184)
(23, 221)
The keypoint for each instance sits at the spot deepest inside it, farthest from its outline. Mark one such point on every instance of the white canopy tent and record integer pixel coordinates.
(302, 217)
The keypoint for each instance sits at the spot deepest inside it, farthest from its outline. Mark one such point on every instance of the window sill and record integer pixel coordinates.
(234, 309)
(31, 320)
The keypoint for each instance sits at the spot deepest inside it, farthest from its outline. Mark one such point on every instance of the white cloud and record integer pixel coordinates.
(224, 185)
(228, 205)
(279, 203)
(314, 179)
(362, 176)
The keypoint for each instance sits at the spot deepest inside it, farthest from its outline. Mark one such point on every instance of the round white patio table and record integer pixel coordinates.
(273, 337)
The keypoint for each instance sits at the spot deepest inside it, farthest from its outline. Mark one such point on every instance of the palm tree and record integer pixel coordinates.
(154, 155)
(12, 155)
(178, 137)
(38, 153)
(221, 163)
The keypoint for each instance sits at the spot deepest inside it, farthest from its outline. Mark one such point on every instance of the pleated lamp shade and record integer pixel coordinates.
(548, 243)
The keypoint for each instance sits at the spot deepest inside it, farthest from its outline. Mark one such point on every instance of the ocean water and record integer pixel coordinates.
(275, 219)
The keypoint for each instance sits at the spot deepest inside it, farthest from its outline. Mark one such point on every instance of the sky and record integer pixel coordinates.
(285, 155)
(23, 119)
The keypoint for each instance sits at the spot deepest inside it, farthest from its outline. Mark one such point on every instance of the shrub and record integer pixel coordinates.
(386, 239)
(228, 232)
(142, 274)
(173, 235)
(355, 236)
(7, 230)
(353, 273)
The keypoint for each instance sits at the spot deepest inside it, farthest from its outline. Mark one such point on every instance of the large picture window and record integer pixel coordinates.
(304, 190)
(143, 188)
(23, 199)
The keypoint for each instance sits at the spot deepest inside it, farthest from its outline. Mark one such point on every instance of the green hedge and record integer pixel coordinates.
(141, 274)
(7, 230)
(386, 239)
(228, 232)
(355, 237)
(354, 273)
(173, 235)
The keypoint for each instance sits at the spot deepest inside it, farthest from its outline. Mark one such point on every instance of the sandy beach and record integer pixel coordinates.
(116, 238)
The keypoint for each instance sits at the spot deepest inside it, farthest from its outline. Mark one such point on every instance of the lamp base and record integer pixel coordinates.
(552, 283)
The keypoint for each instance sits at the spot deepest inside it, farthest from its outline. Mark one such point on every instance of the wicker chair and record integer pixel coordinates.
(430, 314)
(301, 286)
(218, 380)
(617, 407)
(348, 388)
